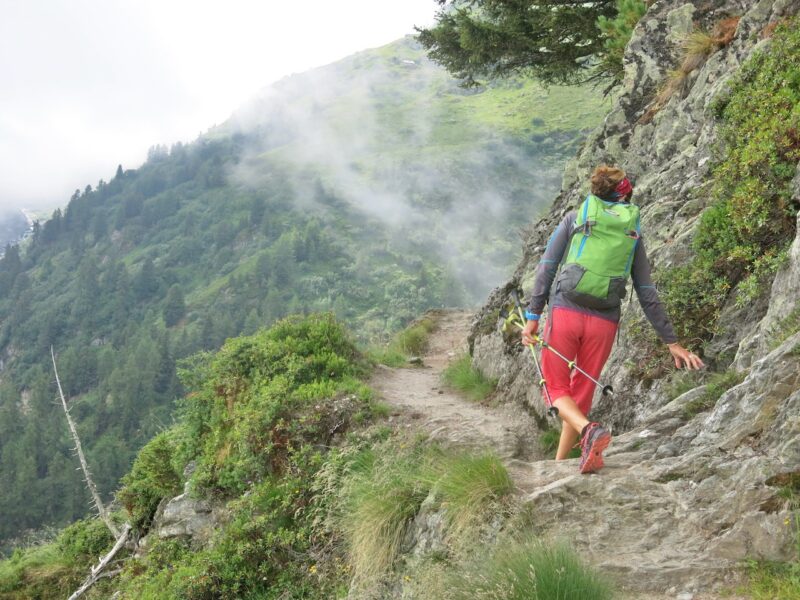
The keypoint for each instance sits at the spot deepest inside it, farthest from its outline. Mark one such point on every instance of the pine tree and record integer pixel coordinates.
(553, 40)
(175, 306)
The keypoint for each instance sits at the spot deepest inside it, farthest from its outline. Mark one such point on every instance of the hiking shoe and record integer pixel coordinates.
(594, 440)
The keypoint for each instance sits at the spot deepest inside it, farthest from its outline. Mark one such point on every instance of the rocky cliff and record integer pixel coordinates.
(695, 487)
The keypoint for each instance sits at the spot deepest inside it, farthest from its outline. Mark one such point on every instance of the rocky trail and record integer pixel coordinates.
(422, 401)
(644, 518)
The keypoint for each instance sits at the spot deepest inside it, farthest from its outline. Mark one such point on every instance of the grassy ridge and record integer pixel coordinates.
(318, 497)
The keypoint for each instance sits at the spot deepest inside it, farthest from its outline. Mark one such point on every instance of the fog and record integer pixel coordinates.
(90, 84)
(370, 130)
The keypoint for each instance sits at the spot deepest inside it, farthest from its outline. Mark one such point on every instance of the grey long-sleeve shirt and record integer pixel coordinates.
(640, 275)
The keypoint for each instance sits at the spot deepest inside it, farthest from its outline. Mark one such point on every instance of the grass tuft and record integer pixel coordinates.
(530, 570)
(718, 384)
(773, 581)
(461, 376)
(411, 341)
(468, 484)
(548, 442)
(696, 49)
(387, 488)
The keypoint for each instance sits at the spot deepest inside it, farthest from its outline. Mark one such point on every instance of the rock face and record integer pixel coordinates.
(685, 495)
(186, 517)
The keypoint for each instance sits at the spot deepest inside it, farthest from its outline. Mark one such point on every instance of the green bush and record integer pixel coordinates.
(742, 238)
(262, 397)
(86, 539)
(460, 375)
(53, 570)
(528, 570)
(266, 550)
(154, 476)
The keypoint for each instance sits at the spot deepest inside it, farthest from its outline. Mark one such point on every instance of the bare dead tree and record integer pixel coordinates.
(121, 536)
(87, 477)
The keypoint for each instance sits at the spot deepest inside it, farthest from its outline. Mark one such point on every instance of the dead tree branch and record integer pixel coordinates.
(97, 571)
(84, 465)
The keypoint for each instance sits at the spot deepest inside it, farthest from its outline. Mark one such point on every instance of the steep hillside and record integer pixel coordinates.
(374, 188)
(709, 130)
(12, 225)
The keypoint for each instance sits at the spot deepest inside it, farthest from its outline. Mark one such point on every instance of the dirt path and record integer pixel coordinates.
(625, 501)
(423, 401)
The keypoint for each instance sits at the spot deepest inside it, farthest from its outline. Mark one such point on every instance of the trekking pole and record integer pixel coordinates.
(551, 410)
(606, 389)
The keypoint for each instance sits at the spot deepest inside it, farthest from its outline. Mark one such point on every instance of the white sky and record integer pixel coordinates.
(88, 84)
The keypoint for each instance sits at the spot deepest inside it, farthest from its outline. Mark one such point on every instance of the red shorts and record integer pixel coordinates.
(587, 340)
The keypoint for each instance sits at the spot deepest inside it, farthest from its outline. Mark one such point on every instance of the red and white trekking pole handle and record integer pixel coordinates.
(551, 410)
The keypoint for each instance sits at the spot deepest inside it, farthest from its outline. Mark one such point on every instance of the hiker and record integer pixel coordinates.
(602, 242)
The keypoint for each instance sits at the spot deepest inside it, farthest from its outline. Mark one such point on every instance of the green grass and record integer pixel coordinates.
(48, 570)
(387, 486)
(462, 376)
(742, 237)
(718, 384)
(379, 500)
(467, 484)
(681, 383)
(785, 328)
(411, 341)
(773, 581)
(548, 442)
(529, 570)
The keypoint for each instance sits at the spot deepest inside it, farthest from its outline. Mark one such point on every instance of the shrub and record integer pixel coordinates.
(37, 572)
(411, 341)
(262, 397)
(86, 539)
(742, 237)
(153, 476)
(461, 375)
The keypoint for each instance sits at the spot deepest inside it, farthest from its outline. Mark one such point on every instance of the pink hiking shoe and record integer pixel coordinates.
(594, 440)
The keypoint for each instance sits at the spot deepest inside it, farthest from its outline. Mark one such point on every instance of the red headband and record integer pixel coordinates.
(623, 188)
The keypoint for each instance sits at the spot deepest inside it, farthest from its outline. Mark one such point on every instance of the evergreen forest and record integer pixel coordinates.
(374, 188)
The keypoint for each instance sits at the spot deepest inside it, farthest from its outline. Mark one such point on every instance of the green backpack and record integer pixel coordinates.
(600, 254)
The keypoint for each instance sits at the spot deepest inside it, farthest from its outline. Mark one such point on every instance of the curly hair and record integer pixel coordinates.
(604, 179)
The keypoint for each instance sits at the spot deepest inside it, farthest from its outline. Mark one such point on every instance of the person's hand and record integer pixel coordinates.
(529, 332)
(683, 357)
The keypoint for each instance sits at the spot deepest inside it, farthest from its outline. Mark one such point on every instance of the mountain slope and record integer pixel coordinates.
(374, 188)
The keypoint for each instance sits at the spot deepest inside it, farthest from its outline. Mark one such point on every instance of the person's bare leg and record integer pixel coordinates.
(566, 441)
(570, 413)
